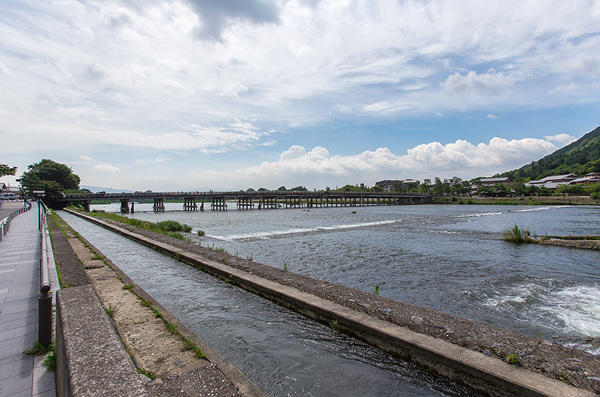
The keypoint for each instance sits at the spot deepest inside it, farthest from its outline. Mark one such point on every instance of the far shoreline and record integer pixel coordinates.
(530, 200)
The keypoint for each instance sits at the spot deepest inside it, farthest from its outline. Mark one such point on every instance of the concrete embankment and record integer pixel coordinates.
(475, 369)
(96, 356)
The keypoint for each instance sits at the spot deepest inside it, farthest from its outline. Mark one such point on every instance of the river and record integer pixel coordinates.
(445, 257)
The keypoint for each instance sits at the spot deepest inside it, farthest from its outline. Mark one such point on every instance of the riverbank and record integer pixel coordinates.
(541, 356)
(531, 200)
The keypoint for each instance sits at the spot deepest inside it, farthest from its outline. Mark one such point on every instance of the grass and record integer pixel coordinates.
(517, 235)
(168, 228)
(376, 290)
(111, 310)
(512, 359)
(335, 325)
(50, 360)
(39, 348)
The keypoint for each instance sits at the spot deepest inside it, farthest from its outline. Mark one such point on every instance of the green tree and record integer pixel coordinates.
(6, 170)
(48, 175)
(299, 189)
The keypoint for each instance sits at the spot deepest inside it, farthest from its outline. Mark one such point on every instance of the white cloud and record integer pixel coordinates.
(146, 80)
(492, 116)
(106, 168)
(317, 167)
(562, 139)
(490, 83)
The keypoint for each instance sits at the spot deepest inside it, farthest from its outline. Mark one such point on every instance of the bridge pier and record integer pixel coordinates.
(87, 205)
(245, 203)
(189, 204)
(159, 204)
(268, 203)
(218, 204)
(124, 206)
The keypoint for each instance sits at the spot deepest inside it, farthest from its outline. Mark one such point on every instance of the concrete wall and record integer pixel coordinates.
(90, 359)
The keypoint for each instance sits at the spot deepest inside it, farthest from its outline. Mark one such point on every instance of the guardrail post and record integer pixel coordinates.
(45, 319)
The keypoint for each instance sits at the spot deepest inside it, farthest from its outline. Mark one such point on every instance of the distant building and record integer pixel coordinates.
(592, 177)
(552, 182)
(389, 185)
(493, 181)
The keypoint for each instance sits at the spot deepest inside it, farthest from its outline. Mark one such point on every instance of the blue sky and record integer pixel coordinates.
(232, 94)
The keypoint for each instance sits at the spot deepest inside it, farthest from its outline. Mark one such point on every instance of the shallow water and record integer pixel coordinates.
(284, 353)
(445, 257)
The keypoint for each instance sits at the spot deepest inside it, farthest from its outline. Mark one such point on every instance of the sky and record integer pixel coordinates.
(176, 95)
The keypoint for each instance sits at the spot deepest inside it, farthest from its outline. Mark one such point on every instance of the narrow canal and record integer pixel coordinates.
(282, 352)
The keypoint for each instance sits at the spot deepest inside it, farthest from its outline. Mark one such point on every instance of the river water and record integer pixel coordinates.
(445, 257)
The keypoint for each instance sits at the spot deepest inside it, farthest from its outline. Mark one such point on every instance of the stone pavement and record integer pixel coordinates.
(20, 374)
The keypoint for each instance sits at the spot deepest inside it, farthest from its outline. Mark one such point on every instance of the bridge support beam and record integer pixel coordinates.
(159, 204)
(87, 205)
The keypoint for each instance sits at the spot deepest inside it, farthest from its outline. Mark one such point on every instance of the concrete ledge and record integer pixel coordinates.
(90, 359)
(474, 369)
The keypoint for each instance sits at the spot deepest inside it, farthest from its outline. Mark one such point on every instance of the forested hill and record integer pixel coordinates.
(579, 157)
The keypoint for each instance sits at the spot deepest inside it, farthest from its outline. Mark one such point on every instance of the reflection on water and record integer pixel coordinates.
(281, 351)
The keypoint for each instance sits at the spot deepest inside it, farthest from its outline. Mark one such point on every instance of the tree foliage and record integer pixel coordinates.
(6, 170)
(48, 175)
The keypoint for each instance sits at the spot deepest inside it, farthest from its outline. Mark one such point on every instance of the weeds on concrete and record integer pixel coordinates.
(49, 349)
(376, 290)
(144, 372)
(50, 360)
(111, 310)
(39, 348)
(512, 359)
(335, 325)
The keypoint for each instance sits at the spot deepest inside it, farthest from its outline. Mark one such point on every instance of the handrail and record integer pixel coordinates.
(45, 299)
(5, 223)
(44, 274)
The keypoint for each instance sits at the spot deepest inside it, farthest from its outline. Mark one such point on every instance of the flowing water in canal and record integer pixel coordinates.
(283, 353)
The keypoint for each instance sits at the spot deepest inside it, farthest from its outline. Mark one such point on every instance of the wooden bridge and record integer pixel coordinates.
(218, 201)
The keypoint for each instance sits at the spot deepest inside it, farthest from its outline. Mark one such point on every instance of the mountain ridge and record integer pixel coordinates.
(579, 157)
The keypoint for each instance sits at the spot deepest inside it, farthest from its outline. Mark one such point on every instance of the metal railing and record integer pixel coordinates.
(45, 299)
(5, 223)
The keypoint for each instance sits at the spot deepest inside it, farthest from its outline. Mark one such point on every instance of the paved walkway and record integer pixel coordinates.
(20, 374)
